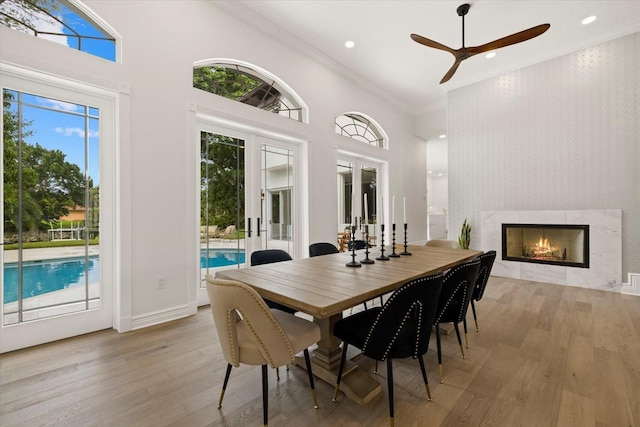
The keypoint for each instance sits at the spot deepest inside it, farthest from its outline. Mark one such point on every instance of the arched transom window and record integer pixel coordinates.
(361, 128)
(249, 85)
(68, 23)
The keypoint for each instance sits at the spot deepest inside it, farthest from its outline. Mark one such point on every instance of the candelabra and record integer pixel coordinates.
(353, 262)
(393, 242)
(382, 256)
(405, 252)
(366, 259)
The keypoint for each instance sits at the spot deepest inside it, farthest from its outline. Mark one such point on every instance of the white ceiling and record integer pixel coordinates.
(388, 62)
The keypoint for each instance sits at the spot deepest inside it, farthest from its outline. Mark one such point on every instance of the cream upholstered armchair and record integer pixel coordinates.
(251, 333)
(440, 243)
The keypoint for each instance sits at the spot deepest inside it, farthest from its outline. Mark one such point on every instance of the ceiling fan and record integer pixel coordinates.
(467, 52)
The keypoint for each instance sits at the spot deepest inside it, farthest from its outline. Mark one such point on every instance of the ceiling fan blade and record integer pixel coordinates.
(509, 40)
(430, 43)
(451, 71)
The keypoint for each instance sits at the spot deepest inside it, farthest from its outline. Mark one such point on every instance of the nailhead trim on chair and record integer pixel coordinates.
(464, 295)
(244, 319)
(404, 319)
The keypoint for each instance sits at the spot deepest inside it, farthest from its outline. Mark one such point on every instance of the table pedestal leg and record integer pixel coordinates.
(356, 383)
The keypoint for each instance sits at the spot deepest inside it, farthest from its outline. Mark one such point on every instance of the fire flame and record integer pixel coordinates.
(543, 247)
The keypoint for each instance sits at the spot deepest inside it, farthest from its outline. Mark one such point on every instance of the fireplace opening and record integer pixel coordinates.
(558, 244)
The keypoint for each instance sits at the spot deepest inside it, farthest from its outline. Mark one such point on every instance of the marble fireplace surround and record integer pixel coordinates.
(605, 246)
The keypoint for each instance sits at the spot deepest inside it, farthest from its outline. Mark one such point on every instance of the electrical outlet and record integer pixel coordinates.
(162, 283)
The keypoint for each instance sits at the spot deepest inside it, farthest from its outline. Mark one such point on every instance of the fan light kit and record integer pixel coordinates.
(467, 52)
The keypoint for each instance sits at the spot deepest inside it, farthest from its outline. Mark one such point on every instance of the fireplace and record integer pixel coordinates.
(557, 244)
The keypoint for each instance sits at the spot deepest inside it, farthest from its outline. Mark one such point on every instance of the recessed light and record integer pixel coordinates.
(430, 171)
(349, 44)
(589, 20)
(439, 174)
(443, 136)
(490, 55)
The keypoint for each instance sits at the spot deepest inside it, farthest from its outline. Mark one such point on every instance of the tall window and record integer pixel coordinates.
(245, 84)
(51, 207)
(357, 126)
(59, 21)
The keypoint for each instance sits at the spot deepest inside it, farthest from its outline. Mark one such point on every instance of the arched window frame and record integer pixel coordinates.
(261, 74)
(362, 128)
(90, 17)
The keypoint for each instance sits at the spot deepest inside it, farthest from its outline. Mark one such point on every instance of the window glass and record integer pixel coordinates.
(243, 84)
(58, 21)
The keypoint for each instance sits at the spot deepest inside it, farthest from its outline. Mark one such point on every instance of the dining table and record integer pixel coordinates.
(325, 288)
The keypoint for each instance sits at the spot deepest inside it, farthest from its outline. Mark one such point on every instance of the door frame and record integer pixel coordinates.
(254, 137)
(110, 314)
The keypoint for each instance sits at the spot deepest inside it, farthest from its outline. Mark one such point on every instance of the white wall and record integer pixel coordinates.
(560, 135)
(158, 204)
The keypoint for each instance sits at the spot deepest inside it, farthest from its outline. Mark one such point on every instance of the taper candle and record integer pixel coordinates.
(404, 209)
(393, 210)
(366, 210)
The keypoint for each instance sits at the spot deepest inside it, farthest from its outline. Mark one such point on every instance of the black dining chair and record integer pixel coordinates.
(322, 248)
(486, 263)
(268, 256)
(401, 328)
(457, 288)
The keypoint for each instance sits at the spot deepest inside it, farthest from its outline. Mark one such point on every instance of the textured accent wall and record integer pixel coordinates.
(560, 135)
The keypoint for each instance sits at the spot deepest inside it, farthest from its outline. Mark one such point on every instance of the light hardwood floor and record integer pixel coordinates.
(546, 355)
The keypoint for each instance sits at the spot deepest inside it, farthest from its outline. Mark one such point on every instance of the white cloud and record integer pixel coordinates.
(60, 105)
(42, 22)
(76, 131)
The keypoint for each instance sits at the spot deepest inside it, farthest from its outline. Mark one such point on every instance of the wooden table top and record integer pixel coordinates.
(323, 286)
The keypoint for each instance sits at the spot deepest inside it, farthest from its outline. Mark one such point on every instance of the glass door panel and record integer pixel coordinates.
(222, 203)
(51, 259)
(369, 191)
(277, 181)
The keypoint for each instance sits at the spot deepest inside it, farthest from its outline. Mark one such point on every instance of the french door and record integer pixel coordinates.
(359, 195)
(58, 244)
(247, 198)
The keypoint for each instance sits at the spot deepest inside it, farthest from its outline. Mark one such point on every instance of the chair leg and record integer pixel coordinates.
(466, 340)
(307, 360)
(224, 384)
(439, 352)
(277, 374)
(381, 301)
(375, 370)
(390, 387)
(424, 377)
(475, 318)
(455, 325)
(340, 369)
(265, 398)
(365, 306)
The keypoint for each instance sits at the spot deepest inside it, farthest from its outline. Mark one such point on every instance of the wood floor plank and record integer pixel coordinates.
(546, 355)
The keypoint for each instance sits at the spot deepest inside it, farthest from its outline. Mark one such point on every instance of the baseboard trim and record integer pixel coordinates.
(633, 285)
(150, 319)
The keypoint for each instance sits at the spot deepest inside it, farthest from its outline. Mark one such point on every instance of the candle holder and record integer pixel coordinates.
(382, 256)
(405, 252)
(393, 253)
(366, 259)
(353, 262)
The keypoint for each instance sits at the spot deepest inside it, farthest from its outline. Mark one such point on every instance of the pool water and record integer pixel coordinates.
(221, 257)
(41, 277)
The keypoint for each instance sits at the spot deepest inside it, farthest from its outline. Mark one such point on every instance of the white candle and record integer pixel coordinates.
(404, 208)
(366, 210)
(393, 210)
(353, 207)
(381, 209)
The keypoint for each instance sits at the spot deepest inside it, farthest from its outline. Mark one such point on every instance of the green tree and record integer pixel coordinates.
(224, 82)
(222, 180)
(50, 184)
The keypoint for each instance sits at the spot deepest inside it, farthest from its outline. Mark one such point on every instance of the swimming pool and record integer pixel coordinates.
(221, 257)
(41, 277)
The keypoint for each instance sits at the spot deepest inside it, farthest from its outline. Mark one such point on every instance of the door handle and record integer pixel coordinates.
(249, 227)
(258, 226)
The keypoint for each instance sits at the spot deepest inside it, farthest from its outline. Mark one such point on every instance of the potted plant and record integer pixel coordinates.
(465, 235)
